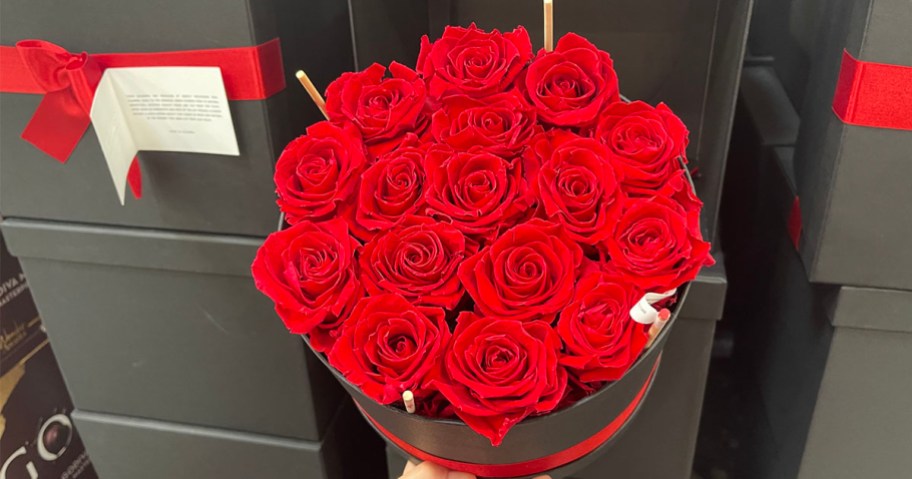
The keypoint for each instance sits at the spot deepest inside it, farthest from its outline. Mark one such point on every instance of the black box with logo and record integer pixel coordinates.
(37, 435)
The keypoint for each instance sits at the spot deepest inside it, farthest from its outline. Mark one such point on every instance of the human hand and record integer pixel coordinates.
(429, 470)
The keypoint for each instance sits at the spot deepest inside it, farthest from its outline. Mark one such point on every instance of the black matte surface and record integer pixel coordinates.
(169, 326)
(130, 448)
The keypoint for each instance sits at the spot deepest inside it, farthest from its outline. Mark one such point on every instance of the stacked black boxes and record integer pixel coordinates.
(819, 250)
(177, 366)
(685, 53)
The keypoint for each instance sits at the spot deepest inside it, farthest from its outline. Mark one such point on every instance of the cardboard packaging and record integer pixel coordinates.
(181, 191)
(852, 181)
(685, 53)
(666, 425)
(144, 449)
(37, 436)
(169, 326)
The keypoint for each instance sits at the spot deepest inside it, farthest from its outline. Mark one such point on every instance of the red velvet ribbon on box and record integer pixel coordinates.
(793, 223)
(535, 466)
(68, 82)
(873, 94)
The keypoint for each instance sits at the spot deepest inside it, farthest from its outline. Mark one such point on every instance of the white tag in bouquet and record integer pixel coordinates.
(160, 109)
(643, 312)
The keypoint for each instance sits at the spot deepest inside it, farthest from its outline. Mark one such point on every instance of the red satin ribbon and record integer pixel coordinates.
(68, 82)
(535, 466)
(873, 94)
(793, 224)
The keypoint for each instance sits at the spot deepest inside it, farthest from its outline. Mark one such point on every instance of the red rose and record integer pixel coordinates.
(601, 339)
(657, 244)
(477, 191)
(679, 188)
(528, 273)
(472, 61)
(645, 143)
(572, 84)
(391, 189)
(388, 346)
(577, 185)
(499, 371)
(318, 171)
(384, 109)
(417, 260)
(308, 270)
(501, 124)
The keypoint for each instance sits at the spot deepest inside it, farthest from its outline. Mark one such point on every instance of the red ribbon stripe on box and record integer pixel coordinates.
(535, 466)
(873, 94)
(68, 82)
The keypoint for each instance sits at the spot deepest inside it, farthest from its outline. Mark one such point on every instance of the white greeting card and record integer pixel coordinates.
(160, 109)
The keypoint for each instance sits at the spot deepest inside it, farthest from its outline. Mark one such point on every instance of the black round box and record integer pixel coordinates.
(556, 444)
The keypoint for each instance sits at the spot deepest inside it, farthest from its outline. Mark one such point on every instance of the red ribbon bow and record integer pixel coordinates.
(68, 82)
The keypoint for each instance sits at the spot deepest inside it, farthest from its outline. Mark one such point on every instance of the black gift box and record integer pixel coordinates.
(169, 326)
(124, 447)
(685, 53)
(555, 444)
(667, 422)
(853, 181)
(558, 443)
(181, 191)
(830, 361)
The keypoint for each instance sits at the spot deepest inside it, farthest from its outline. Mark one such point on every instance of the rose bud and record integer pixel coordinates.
(417, 260)
(645, 144)
(388, 345)
(657, 244)
(478, 192)
(577, 185)
(501, 124)
(570, 85)
(602, 341)
(308, 270)
(473, 62)
(383, 109)
(318, 172)
(526, 274)
(390, 189)
(499, 371)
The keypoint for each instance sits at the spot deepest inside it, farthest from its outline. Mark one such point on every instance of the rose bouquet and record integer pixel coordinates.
(492, 235)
